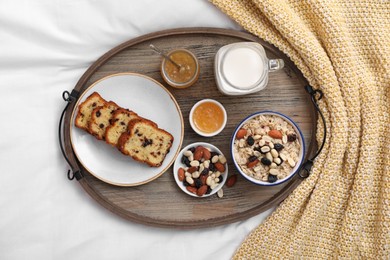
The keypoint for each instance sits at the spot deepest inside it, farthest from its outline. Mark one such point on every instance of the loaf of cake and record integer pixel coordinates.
(145, 142)
(101, 117)
(119, 121)
(85, 110)
(133, 135)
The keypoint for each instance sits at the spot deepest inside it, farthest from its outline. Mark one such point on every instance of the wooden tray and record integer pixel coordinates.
(160, 202)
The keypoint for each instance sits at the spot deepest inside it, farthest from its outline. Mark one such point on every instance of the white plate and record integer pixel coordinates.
(149, 99)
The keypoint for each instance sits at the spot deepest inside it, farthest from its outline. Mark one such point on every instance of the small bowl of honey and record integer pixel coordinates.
(208, 117)
(181, 70)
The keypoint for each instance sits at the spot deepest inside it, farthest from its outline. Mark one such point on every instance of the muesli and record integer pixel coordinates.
(266, 148)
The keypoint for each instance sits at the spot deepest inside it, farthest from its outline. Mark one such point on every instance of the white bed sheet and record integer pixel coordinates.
(45, 47)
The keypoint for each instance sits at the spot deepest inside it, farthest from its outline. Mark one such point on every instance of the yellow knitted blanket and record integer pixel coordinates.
(343, 48)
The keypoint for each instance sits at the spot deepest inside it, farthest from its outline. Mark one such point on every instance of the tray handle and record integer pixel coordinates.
(74, 172)
(316, 95)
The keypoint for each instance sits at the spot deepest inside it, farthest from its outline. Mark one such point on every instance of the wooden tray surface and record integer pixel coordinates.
(160, 202)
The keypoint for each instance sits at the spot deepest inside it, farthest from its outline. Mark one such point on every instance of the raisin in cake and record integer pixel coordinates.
(145, 142)
(120, 120)
(101, 118)
(85, 110)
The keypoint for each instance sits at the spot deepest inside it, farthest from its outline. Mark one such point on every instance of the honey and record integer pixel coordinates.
(208, 117)
(184, 76)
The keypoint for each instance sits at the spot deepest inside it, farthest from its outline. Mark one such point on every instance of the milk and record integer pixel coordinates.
(243, 67)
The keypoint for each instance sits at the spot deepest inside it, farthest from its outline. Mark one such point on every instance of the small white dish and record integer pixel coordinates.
(211, 111)
(179, 164)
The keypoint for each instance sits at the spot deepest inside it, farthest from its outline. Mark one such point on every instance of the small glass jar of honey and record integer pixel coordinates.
(184, 75)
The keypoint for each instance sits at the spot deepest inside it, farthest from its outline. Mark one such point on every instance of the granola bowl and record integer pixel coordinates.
(267, 148)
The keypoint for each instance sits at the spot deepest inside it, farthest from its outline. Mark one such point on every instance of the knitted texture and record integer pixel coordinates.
(342, 210)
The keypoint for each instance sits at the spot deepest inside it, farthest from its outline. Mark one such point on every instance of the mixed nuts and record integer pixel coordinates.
(203, 172)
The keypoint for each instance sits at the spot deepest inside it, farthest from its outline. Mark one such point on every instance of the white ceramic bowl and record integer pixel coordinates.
(196, 129)
(178, 163)
(301, 151)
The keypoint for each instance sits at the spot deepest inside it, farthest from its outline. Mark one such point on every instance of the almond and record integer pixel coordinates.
(180, 174)
(241, 133)
(252, 164)
(199, 147)
(201, 191)
(231, 180)
(198, 154)
(203, 178)
(219, 166)
(192, 189)
(276, 134)
(206, 154)
(192, 169)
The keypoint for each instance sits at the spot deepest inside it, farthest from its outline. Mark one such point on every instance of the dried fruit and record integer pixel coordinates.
(198, 183)
(272, 178)
(180, 174)
(241, 133)
(278, 147)
(250, 141)
(252, 158)
(291, 137)
(186, 161)
(231, 180)
(265, 161)
(276, 134)
(219, 166)
(214, 154)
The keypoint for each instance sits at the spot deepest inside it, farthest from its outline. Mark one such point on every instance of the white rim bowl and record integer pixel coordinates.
(301, 151)
(179, 164)
(193, 126)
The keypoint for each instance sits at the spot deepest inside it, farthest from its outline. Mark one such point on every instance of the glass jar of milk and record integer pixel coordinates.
(242, 68)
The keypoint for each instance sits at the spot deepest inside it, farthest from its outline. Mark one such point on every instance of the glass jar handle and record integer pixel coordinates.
(275, 65)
